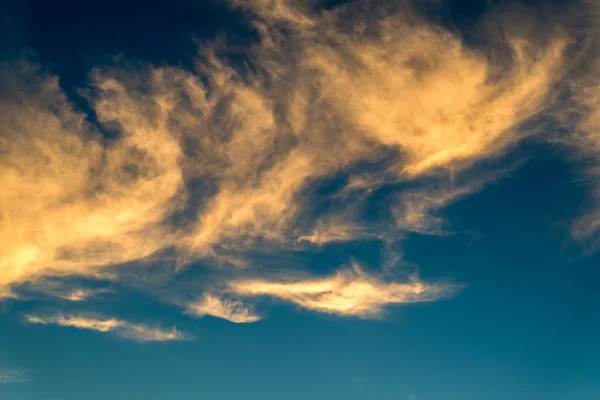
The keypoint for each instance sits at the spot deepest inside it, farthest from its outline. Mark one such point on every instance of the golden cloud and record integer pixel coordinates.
(350, 292)
(323, 97)
(231, 310)
(71, 204)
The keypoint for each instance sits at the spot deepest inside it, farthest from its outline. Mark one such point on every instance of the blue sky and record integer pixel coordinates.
(299, 200)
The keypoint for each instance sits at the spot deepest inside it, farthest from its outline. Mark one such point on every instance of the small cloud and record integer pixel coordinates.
(231, 310)
(82, 294)
(350, 292)
(328, 233)
(80, 322)
(12, 376)
(76, 295)
(143, 333)
(125, 329)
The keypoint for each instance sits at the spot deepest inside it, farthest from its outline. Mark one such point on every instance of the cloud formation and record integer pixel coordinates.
(125, 329)
(231, 310)
(580, 119)
(350, 292)
(81, 294)
(224, 161)
(72, 204)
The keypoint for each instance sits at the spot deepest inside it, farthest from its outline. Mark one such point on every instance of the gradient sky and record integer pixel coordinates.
(277, 199)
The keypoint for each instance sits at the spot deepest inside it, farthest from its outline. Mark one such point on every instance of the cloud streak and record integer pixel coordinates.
(350, 292)
(12, 376)
(124, 329)
(580, 118)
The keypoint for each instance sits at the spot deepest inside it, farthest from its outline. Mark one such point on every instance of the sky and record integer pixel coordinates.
(310, 199)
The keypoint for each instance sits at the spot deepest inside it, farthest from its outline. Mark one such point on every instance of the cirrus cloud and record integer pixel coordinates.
(232, 310)
(221, 161)
(8, 375)
(350, 292)
(125, 329)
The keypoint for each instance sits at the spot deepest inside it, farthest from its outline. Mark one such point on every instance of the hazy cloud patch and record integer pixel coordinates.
(8, 375)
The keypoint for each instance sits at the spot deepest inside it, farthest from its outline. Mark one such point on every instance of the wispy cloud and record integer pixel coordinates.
(144, 333)
(580, 116)
(231, 310)
(63, 213)
(333, 231)
(81, 294)
(328, 92)
(350, 292)
(84, 204)
(12, 376)
(125, 329)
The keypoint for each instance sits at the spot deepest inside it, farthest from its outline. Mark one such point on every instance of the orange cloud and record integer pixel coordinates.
(232, 310)
(325, 96)
(349, 292)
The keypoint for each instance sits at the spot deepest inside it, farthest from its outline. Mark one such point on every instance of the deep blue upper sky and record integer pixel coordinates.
(524, 324)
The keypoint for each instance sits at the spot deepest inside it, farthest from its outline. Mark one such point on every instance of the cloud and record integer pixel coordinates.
(72, 204)
(62, 289)
(407, 88)
(12, 376)
(125, 329)
(82, 294)
(221, 161)
(142, 333)
(417, 209)
(231, 310)
(102, 325)
(291, 12)
(350, 292)
(333, 231)
(580, 118)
